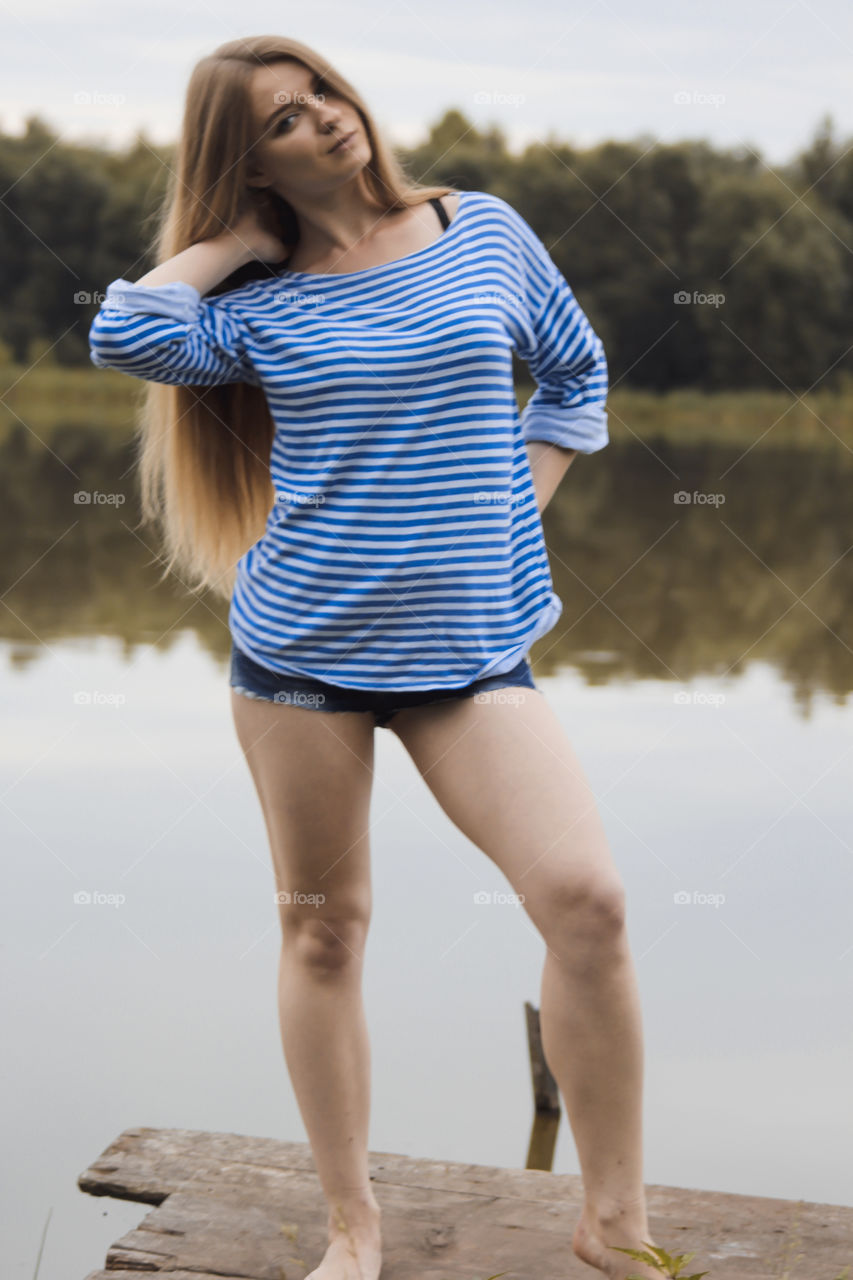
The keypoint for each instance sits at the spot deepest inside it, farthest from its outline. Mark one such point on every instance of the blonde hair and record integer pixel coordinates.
(203, 452)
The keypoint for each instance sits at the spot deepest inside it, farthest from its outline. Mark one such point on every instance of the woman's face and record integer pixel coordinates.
(298, 119)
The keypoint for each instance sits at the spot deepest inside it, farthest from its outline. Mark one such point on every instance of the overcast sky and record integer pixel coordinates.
(751, 72)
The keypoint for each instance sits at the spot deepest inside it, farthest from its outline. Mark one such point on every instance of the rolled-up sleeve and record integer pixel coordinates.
(169, 333)
(562, 351)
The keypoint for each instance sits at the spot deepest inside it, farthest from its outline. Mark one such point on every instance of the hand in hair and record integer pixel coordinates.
(254, 228)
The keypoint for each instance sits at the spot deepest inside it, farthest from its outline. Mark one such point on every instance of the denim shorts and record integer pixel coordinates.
(255, 681)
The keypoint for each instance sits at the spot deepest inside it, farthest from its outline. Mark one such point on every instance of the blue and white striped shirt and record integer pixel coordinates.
(404, 548)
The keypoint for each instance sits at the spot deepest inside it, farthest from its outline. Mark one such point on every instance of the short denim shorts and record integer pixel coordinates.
(255, 681)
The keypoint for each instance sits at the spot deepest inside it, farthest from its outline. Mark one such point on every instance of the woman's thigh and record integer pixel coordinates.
(313, 773)
(504, 771)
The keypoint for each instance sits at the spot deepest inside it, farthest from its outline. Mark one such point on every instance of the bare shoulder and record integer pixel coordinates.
(451, 202)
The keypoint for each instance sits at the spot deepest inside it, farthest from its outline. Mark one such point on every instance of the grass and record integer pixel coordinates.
(672, 1265)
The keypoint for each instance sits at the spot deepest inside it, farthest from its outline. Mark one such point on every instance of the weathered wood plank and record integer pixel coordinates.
(228, 1205)
(149, 1164)
(173, 1275)
(424, 1235)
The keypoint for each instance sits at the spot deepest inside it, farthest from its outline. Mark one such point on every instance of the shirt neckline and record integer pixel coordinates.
(382, 266)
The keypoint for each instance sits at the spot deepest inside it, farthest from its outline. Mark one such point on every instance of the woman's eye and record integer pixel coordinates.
(319, 87)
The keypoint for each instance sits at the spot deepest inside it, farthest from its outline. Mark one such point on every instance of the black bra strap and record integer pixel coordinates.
(441, 211)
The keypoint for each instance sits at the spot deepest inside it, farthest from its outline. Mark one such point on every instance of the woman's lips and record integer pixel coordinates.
(342, 141)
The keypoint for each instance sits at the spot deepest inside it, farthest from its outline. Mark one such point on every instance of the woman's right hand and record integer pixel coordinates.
(209, 261)
(254, 228)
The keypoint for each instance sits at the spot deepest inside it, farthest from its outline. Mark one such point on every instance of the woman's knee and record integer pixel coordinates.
(323, 944)
(587, 910)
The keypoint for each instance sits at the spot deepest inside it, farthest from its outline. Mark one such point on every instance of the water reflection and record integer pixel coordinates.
(748, 1062)
(672, 562)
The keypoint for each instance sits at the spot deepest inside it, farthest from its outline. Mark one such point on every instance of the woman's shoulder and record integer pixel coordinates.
(451, 202)
(503, 214)
(484, 202)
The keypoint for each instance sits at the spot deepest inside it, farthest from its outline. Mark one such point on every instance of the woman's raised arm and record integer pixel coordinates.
(161, 329)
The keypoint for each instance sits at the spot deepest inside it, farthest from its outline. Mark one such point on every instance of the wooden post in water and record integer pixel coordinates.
(546, 1098)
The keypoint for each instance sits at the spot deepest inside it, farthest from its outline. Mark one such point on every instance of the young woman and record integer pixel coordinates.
(330, 439)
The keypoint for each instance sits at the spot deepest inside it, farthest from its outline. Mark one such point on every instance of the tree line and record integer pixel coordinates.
(697, 266)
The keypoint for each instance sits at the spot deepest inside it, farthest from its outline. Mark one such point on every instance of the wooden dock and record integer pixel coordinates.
(229, 1206)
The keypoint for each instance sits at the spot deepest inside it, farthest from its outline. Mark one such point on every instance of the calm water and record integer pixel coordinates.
(702, 669)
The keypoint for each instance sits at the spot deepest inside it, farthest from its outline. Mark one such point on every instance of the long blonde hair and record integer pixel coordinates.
(204, 452)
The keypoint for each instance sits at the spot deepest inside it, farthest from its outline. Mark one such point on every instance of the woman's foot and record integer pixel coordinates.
(595, 1236)
(355, 1244)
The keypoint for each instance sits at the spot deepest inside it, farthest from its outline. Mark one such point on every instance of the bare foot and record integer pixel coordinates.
(627, 1229)
(355, 1246)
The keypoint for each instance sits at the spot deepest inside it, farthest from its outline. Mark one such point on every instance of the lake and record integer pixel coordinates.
(702, 667)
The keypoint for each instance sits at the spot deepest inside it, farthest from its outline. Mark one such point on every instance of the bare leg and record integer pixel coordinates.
(505, 773)
(325, 1040)
(592, 1038)
(313, 772)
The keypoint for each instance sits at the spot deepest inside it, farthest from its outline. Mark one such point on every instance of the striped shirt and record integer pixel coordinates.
(404, 548)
